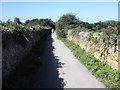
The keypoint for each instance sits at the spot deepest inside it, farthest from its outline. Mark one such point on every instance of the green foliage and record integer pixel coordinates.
(98, 26)
(17, 21)
(91, 39)
(21, 35)
(94, 40)
(109, 37)
(81, 29)
(40, 22)
(75, 31)
(38, 27)
(101, 70)
(106, 24)
(66, 22)
(84, 26)
(61, 33)
(67, 19)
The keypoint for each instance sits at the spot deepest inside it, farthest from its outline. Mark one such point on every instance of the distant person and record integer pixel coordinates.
(52, 30)
(52, 33)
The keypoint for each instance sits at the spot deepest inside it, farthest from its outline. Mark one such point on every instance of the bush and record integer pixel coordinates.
(40, 22)
(21, 35)
(61, 33)
(66, 22)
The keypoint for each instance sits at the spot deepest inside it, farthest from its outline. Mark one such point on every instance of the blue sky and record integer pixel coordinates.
(86, 11)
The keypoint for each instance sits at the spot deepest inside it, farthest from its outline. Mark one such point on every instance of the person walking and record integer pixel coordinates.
(52, 33)
(52, 30)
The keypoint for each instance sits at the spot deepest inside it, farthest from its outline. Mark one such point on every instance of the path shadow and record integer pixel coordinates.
(48, 75)
(37, 73)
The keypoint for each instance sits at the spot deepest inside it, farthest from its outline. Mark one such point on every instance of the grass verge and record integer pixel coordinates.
(107, 75)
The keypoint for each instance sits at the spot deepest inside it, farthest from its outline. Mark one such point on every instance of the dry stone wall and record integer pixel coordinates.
(96, 48)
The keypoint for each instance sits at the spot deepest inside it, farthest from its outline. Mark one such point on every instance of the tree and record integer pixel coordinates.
(66, 22)
(67, 19)
(8, 21)
(27, 21)
(41, 22)
(17, 21)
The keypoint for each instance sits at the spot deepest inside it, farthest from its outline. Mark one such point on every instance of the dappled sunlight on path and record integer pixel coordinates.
(60, 68)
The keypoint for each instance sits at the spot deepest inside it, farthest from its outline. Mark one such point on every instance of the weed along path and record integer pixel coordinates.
(60, 69)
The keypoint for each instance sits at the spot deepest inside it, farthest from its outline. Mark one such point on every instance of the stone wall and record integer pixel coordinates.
(96, 49)
(13, 52)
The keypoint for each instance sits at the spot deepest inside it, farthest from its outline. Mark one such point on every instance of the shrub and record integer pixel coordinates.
(66, 22)
(61, 33)
(21, 35)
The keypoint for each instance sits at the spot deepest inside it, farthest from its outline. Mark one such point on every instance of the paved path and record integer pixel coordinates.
(60, 69)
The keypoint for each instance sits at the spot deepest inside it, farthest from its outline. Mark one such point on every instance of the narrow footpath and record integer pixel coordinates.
(61, 69)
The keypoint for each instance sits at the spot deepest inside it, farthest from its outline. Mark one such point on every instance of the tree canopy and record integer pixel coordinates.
(67, 19)
(42, 22)
(17, 21)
